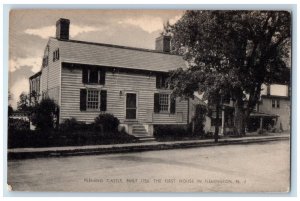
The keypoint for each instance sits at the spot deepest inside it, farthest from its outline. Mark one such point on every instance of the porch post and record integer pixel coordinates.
(261, 123)
(223, 121)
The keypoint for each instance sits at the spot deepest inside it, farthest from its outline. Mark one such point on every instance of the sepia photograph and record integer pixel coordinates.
(149, 100)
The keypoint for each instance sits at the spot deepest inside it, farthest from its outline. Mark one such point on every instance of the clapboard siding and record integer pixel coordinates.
(181, 107)
(142, 84)
(50, 77)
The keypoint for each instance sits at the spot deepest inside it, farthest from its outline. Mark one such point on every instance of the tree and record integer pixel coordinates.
(10, 96)
(27, 101)
(199, 119)
(23, 104)
(34, 97)
(214, 86)
(45, 114)
(230, 53)
(10, 110)
(107, 122)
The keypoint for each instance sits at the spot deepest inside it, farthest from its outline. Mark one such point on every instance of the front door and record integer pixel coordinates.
(131, 106)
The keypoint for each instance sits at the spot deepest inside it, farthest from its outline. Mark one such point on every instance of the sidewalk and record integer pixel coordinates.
(21, 153)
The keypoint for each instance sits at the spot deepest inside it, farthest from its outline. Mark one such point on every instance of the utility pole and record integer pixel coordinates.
(216, 134)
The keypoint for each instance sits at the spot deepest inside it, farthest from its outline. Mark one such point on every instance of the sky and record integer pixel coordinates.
(29, 31)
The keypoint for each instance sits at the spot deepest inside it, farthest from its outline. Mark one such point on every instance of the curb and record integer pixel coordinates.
(137, 148)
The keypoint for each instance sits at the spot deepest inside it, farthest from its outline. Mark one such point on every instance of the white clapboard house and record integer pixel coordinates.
(86, 79)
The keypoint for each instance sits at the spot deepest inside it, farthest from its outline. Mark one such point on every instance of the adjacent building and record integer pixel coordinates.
(275, 101)
(272, 112)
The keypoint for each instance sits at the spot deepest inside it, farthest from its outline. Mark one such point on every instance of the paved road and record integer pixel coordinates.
(237, 168)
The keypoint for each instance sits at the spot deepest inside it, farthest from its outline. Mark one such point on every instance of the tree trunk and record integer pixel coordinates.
(216, 134)
(239, 118)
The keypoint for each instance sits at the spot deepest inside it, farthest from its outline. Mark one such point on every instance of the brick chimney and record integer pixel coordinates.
(163, 43)
(62, 29)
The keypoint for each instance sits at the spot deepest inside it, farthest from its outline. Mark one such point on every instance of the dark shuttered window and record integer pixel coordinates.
(103, 96)
(83, 99)
(85, 75)
(157, 81)
(161, 81)
(93, 100)
(164, 103)
(156, 102)
(93, 76)
(173, 105)
(102, 77)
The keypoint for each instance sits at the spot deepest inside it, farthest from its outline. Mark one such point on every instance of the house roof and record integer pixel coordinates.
(118, 56)
(35, 75)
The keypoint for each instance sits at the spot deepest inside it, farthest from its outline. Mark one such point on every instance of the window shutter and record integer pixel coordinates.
(82, 99)
(163, 81)
(84, 75)
(156, 103)
(102, 77)
(158, 81)
(173, 105)
(103, 102)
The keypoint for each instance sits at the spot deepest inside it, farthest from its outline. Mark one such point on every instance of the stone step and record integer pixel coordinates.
(141, 135)
(146, 139)
(138, 125)
(139, 129)
(140, 132)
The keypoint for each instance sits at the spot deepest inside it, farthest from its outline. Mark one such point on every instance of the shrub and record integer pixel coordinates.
(55, 138)
(106, 123)
(208, 135)
(18, 124)
(199, 120)
(45, 115)
(27, 138)
(261, 131)
(69, 125)
(171, 131)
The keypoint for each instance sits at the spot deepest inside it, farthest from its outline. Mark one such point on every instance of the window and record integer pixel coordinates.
(33, 85)
(164, 102)
(93, 76)
(161, 81)
(275, 103)
(56, 55)
(93, 99)
(38, 85)
(45, 61)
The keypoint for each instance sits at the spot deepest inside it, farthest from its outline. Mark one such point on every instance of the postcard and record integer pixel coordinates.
(149, 100)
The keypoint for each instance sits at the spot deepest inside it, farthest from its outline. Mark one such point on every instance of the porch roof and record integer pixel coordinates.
(261, 114)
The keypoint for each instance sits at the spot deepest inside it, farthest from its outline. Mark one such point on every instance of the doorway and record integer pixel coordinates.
(131, 105)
